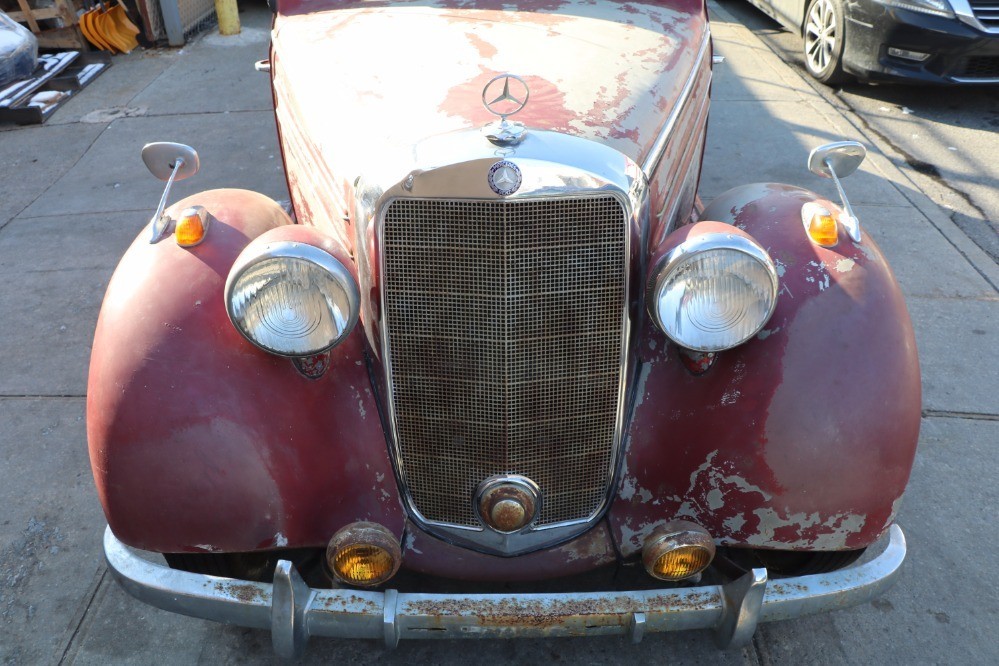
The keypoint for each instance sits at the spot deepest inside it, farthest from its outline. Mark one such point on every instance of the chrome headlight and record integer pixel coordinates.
(714, 291)
(291, 299)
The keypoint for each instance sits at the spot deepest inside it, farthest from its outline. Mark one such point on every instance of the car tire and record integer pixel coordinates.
(822, 38)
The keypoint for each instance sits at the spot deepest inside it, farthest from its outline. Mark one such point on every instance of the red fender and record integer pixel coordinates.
(802, 438)
(199, 440)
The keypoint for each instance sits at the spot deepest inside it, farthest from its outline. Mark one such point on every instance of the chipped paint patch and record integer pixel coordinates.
(360, 403)
(845, 265)
(410, 544)
(730, 397)
(643, 378)
(208, 548)
(819, 274)
(766, 333)
(829, 534)
(781, 268)
(735, 523)
(280, 540)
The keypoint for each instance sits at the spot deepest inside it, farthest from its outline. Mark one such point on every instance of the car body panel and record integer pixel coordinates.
(200, 441)
(802, 438)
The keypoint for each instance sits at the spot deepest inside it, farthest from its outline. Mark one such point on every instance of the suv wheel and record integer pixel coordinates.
(822, 38)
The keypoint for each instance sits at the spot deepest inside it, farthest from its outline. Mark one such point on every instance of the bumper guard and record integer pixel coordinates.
(293, 611)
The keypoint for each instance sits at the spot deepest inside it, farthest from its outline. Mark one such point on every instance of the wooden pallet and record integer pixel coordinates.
(66, 37)
(58, 78)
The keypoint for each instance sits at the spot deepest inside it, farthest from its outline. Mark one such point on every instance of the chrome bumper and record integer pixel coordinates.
(293, 611)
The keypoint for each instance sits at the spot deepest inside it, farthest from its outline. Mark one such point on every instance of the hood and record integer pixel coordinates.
(365, 82)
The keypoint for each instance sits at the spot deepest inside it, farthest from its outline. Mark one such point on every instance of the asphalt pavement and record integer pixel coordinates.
(74, 192)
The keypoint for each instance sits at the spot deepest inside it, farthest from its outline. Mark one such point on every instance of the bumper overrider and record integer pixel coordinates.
(293, 611)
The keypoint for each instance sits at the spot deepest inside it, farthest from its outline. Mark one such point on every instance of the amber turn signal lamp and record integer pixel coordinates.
(820, 224)
(192, 226)
(363, 554)
(677, 550)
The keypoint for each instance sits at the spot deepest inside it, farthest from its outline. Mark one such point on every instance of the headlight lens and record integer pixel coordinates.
(714, 292)
(291, 299)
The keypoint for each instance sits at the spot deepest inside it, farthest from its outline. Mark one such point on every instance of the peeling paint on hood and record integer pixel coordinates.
(601, 70)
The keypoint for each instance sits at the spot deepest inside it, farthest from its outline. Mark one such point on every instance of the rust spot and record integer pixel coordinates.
(244, 592)
(513, 612)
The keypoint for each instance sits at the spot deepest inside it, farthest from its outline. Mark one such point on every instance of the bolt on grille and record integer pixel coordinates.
(505, 330)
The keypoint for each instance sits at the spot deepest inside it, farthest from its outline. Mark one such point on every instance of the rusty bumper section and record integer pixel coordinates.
(293, 611)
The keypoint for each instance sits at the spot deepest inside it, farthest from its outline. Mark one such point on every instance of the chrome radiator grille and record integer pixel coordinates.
(505, 330)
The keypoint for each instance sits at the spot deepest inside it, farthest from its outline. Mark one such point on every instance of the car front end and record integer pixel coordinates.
(926, 41)
(501, 341)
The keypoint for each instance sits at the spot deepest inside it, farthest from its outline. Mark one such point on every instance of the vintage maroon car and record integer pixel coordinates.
(499, 338)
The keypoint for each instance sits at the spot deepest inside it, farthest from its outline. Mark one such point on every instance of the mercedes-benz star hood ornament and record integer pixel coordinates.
(505, 99)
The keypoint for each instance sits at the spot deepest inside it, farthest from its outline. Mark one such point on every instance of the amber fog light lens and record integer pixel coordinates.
(363, 564)
(363, 554)
(677, 550)
(681, 563)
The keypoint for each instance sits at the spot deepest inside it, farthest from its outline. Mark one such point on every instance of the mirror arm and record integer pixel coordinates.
(159, 225)
(850, 221)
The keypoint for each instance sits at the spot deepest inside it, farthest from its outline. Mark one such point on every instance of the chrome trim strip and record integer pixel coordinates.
(733, 610)
(961, 79)
(655, 155)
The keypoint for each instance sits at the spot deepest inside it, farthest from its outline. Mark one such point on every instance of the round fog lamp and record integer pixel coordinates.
(714, 291)
(363, 554)
(678, 550)
(291, 299)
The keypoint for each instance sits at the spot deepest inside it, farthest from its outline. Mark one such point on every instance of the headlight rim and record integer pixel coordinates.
(687, 250)
(293, 249)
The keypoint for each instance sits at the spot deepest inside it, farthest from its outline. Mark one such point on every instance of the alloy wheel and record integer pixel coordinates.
(820, 35)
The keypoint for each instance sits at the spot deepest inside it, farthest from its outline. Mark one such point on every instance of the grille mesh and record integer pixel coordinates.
(504, 322)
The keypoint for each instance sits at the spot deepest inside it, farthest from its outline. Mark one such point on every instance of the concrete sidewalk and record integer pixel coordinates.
(74, 192)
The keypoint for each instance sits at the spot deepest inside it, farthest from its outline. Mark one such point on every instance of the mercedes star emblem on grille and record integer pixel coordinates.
(504, 178)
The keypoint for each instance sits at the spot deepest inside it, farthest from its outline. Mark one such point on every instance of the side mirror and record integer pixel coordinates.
(839, 160)
(168, 161)
(162, 158)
